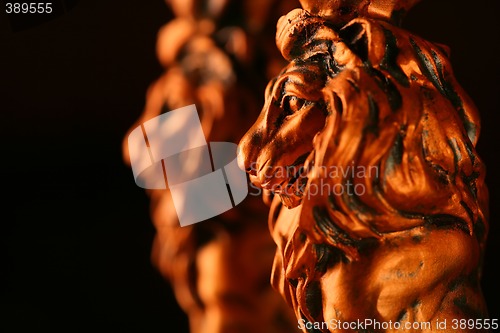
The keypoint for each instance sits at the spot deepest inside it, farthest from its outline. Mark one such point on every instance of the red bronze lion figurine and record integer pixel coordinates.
(368, 142)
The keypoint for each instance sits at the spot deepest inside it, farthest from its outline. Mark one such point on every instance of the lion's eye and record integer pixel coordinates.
(292, 104)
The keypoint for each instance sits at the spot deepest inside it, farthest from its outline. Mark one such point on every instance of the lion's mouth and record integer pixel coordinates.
(291, 189)
(294, 192)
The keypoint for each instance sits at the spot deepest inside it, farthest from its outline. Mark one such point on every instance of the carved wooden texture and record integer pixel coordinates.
(364, 94)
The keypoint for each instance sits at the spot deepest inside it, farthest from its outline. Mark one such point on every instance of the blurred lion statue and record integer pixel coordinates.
(380, 209)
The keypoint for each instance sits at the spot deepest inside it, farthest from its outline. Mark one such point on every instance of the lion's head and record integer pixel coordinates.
(381, 141)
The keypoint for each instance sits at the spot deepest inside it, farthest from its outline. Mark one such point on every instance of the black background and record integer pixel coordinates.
(75, 231)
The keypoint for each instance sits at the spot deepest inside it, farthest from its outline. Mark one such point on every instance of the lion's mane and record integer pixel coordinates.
(393, 104)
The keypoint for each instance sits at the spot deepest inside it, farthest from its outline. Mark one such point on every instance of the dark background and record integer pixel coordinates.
(74, 230)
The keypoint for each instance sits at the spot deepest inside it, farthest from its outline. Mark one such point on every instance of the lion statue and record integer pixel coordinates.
(380, 212)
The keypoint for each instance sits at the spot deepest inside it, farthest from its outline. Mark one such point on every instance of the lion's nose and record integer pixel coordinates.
(244, 162)
(246, 152)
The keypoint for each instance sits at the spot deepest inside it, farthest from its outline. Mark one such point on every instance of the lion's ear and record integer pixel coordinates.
(367, 39)
(356, 38)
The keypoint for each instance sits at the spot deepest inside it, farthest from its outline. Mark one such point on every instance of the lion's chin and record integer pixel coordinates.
(292, 196)
(290, 201)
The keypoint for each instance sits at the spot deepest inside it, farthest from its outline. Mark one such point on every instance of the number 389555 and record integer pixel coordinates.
(28, 7)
